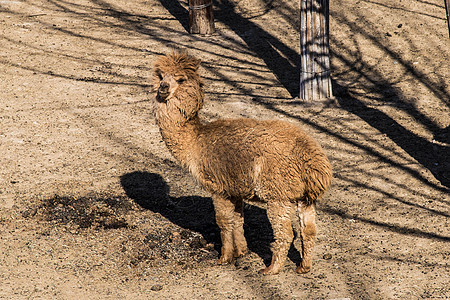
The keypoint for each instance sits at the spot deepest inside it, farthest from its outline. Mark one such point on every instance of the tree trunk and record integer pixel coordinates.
(315, 81)
(201, 18)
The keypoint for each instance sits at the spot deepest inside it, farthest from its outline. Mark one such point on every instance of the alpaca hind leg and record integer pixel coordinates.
(279, 215)
(307, 216)
(224, 209)
(240, 244)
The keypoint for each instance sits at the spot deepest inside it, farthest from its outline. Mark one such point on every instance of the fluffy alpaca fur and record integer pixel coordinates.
(241, 159)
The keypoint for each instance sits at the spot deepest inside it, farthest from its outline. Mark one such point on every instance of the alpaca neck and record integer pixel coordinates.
(180, 136)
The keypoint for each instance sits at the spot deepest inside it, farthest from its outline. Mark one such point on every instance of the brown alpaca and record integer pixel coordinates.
(241, 159)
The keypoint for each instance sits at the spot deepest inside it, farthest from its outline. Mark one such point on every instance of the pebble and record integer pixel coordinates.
(175, 237)
(156, 287)
(327, 256)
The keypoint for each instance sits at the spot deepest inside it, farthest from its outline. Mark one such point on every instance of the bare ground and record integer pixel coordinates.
(92, 205)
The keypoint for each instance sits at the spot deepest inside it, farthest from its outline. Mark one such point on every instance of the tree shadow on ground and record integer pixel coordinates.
(280, 59)
(433, 156)
(150, 191)
(261, 42)
(178, 11)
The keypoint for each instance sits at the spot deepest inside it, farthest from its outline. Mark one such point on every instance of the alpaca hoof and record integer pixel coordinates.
(224, 260)
(240, 253)
(269, 271)
(303, 270)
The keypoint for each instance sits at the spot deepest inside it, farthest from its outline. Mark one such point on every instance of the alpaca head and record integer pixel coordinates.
(178, 84)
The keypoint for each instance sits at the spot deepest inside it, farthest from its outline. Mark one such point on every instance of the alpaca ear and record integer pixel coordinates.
(196, 63)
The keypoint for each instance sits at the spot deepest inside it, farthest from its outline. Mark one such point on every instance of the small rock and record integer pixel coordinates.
(29, 213)
(175, 237)
(327, 256)
(198, 242)
(209, 246)
(156, 287)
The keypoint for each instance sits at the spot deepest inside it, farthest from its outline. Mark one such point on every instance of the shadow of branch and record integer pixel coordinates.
(394, 228)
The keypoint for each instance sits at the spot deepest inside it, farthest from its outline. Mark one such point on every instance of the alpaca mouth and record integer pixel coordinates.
(162, 96)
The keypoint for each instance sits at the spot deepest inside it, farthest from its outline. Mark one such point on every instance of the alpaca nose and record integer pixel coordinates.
(163, 86)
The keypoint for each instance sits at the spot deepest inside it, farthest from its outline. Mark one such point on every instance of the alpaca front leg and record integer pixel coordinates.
(240, 244)
(279, 215)
(224, 209)
(307, 215)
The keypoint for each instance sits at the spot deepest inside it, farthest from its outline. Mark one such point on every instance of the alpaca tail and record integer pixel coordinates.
(317, 178)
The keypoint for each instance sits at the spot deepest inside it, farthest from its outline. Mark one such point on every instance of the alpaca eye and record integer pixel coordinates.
(181, 80)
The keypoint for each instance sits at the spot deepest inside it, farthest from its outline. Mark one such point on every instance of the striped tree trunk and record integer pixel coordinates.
(315, 81)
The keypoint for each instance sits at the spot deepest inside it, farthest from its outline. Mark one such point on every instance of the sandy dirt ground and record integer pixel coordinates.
(93, 206)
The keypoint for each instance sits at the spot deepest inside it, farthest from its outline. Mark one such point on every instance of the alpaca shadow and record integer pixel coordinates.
(150, 191)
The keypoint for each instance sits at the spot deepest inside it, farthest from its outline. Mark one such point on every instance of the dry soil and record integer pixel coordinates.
(93, 206)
